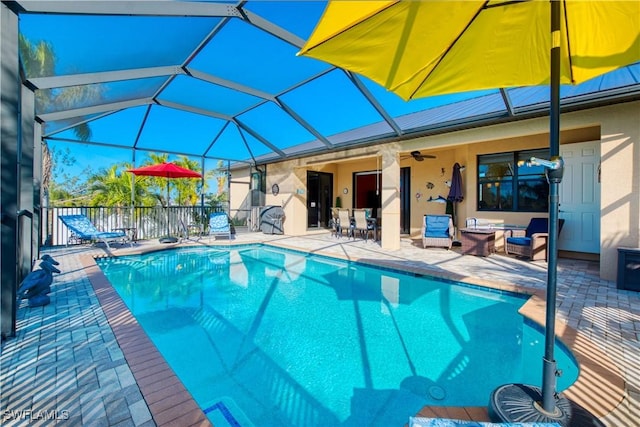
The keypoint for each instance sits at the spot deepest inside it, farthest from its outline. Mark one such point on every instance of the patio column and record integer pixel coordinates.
(26, 214)
(9, 131)
(390, 197)
(37, 190)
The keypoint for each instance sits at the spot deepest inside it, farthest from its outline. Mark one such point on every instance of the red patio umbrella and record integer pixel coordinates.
(166, 170)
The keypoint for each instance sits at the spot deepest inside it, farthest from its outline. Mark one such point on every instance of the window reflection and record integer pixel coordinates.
(506, 183)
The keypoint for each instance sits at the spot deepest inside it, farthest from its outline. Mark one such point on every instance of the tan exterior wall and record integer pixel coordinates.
(620, 199)
(617, 127)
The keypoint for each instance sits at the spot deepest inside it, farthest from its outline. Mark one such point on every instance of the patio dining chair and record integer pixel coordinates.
(344, 223)
(334, 222)
(361, 223)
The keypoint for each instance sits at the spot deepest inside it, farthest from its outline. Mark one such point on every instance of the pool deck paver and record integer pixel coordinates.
(81, 361)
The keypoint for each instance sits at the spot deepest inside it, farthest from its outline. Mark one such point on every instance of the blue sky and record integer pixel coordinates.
(238, 53)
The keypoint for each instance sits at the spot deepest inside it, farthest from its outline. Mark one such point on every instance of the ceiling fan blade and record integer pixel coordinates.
(417, 156)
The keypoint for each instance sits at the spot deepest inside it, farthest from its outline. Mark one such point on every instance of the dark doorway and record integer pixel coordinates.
(319, 196)
(405, 200)
(367, 191)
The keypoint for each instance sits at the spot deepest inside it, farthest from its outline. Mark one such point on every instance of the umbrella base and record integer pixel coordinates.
(523, 403)
(168, 239)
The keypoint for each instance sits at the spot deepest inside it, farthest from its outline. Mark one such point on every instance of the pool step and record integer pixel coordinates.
(225, 413)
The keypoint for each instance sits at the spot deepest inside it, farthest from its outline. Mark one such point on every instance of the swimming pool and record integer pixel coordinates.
(269, 337)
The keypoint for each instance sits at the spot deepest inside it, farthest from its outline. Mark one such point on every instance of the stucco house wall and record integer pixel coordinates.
(617, 127)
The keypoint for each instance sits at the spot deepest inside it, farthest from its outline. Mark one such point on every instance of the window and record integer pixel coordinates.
(506, 183)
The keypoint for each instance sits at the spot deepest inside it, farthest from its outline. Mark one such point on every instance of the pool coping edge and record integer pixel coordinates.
(599, 388)
(159, 385)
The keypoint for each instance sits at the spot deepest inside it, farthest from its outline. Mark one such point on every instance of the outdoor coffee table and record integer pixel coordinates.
(478, 241)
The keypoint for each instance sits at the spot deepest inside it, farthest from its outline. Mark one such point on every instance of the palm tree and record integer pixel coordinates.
(187, 189)
(38, 60)
(110, 188)
(156, 186)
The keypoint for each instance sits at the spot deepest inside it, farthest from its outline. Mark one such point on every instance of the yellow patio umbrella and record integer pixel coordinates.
(423, 48)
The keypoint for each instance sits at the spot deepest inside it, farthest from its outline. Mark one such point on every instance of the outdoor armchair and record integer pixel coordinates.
(437, 231)
(532, 242)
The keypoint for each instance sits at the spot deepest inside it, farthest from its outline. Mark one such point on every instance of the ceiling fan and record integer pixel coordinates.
(417, 156)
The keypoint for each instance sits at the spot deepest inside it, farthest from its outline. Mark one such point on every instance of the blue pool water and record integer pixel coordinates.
(266, 337)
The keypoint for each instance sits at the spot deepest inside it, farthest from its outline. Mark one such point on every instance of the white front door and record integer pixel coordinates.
(580, 198)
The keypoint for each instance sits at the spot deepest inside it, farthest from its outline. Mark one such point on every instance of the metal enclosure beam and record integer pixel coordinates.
(87, 111)
(37, 190)
(127, 8)
(104, 77)
(9, 126)
(25, 183)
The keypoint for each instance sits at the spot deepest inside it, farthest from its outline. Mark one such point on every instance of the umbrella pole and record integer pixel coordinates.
(549, 369)
(168, 233)
(525, 403)
(168, 238)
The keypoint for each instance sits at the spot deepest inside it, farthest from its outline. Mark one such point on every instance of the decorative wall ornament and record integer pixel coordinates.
(275, 189)
(430, 185)
(438, 199)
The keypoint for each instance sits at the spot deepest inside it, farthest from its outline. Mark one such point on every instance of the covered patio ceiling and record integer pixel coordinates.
(221, 80)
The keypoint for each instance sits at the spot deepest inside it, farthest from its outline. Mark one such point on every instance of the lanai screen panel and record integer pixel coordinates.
(211, 98)
(232, 86)
(89, 44)
(171, 130)
(332, 104)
